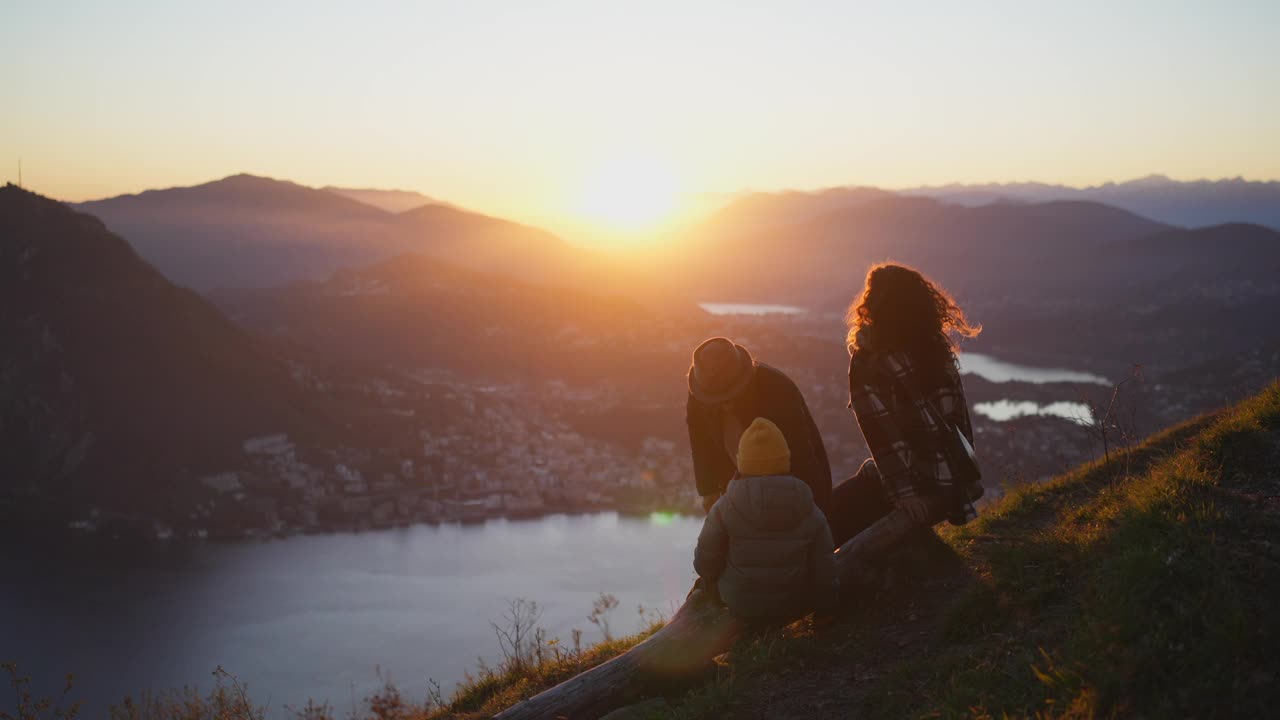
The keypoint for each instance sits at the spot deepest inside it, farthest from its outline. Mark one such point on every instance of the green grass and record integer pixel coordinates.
(1094, 595)
(1144, 595)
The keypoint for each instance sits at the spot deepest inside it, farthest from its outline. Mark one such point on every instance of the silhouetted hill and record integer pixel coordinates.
(419, 312)
(1187, 203)
(987, 253)
(244, 192)
(117, 387)
(393, 201)
(756, 212)
(246, 231)
(492, 244)
(1213, 260)
(1169, 300)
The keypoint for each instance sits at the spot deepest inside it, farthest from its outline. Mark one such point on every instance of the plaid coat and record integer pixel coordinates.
(905, 440)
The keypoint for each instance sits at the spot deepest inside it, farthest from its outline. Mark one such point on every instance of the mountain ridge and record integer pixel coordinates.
(251, 231)
(120, 388)
(393, 201)
(240, 187)
(1189, 203)
(820, 260)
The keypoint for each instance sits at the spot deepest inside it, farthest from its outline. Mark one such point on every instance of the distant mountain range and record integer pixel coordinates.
(754, 212)
(394, 201)
(1167, 300)
(115, 385)
(1033, 252)
(248, 231)
(1193, 203)
(810, 249)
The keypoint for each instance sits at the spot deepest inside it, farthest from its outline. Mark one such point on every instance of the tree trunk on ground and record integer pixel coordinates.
(685, 646)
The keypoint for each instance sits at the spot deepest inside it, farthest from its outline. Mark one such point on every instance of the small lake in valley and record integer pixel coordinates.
(750, 309)
(1005, 410)
(997, 370)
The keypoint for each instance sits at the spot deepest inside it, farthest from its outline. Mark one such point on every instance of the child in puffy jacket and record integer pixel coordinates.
(765, 546)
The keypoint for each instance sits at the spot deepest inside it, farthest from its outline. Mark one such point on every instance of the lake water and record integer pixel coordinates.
(1005, 410)
(311, 616)
(750, 309)
(997, 370)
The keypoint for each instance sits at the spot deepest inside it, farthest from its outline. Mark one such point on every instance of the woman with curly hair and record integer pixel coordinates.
(905, 391)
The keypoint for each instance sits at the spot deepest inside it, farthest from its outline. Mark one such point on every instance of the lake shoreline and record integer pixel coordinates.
(26, 528)
(312, 616)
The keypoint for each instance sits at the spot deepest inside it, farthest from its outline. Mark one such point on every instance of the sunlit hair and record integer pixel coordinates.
(904, 310)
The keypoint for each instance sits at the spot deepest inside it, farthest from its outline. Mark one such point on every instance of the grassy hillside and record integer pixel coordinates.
(1148, 593)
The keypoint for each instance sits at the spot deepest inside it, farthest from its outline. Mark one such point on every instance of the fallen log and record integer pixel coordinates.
(699, 631)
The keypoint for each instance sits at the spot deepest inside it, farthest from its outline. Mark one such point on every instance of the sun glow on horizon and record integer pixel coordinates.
(630, 195)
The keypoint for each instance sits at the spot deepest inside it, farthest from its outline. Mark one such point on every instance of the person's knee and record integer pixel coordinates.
(868, 469)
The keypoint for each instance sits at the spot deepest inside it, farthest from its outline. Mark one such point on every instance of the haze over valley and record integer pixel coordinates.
(368, 360)
(435, 363)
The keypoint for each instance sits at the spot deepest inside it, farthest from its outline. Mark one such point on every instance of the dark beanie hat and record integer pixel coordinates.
(720, 370)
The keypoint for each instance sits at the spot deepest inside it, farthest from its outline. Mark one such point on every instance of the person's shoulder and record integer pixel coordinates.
(867, 362)
(800, 493)
(767, 371)
(768, 376)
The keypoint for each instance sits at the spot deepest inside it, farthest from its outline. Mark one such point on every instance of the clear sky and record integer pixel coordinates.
(542, 111)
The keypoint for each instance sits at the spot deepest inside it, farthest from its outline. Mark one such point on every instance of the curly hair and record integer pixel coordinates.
(904, 310)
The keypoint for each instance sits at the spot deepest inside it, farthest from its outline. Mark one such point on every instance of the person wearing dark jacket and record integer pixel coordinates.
(728, 389)
(765, 548)
(905, 389)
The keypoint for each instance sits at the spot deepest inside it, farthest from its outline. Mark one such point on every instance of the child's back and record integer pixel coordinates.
(765, 544)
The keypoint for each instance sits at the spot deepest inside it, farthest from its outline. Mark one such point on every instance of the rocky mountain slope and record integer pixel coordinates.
(117, 387)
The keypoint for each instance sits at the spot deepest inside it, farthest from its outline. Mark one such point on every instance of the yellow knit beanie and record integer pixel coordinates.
(763, 450)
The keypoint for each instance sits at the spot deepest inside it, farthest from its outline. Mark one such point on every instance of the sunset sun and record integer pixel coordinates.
(630, 195)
